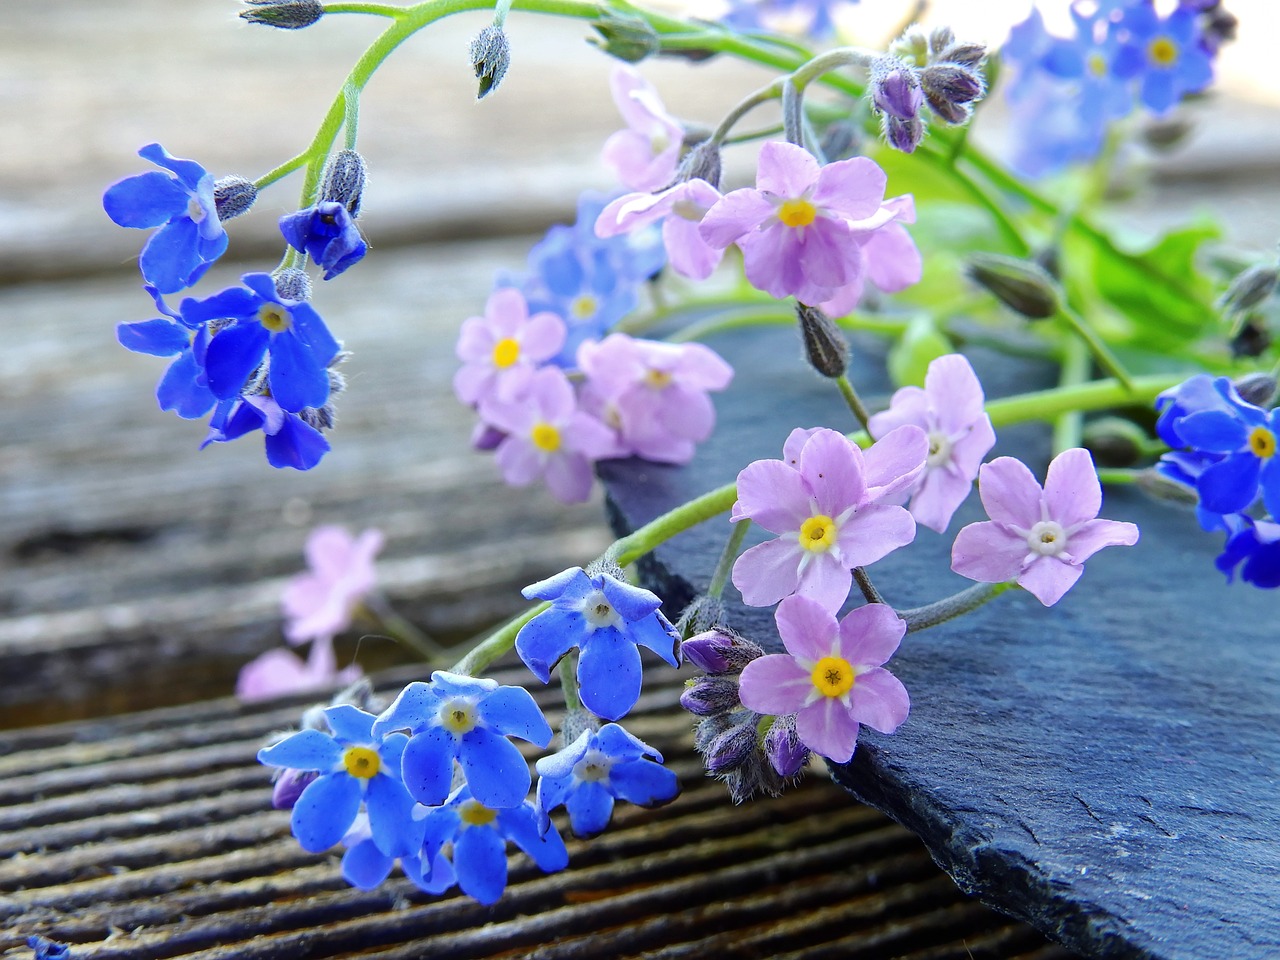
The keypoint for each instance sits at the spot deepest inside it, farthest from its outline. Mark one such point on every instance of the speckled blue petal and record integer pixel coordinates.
(1214, 431)
(620, 744)
(350, 724)
(427, 765)
(547, 637)
(146, 200)
(643, 782)
(297, 444)
(513, 712)
(480, 861)
(365, 866)
(187, 171)
(234, 303)
(439, 826)
(633, 603)
(546, 849)
(171, 256)
(1269, 480)
(182, 390)
(234, 353)
(551, 793)
(561, 763)
(414, 708)
(311, 330)
(656, 632)
(325, 811)
(298, 377)
(438, 880)
(159, 337)
(391, 821)
(590, 808)
(1230, 485)
(609, 674)
(572, 583)
(304, 750)
(455, 685)
(261, 284)
(497, 773)
(392, 751)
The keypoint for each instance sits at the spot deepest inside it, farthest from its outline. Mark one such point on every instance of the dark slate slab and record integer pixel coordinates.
(1107, 769)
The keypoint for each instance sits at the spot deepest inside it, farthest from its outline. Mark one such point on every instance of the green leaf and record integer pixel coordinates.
(910, 357)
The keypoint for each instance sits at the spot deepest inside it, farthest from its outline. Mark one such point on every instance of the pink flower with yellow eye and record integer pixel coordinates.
(500, 349)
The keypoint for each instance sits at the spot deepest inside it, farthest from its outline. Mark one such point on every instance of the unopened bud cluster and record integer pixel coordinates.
(490, 57)
(753, 754)
(925, 69)
(825, 346)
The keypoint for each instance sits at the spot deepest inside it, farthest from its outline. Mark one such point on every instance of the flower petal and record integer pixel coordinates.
(497, 772)
(325, 811)
(827, 728)
(879, 700)
(774, 684)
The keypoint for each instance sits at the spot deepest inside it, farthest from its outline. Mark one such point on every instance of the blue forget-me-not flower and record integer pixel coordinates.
(327, 233)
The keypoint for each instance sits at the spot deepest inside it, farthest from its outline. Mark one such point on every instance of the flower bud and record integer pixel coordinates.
(490, 57)
(950, 90)
(1256, 388)
(720, 651)
(626, 37)
(293, 284)
(233, 196)
(733, 748)
(824, 345)
(344, 180)
(289, 786)
(285, 14)
(701, 163)
(1250, 288)
(787, 755)
(576, 722)
(708, 696)
(1251, 340)
(1021, 285)
(1114, 441)
(940, 39)
(895, 88)
(904, 135)
(964, 54)
(1159, 486)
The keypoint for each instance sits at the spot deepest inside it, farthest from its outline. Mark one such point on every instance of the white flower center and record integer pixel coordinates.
(939, 449)
(1047, 538)
(599, 612)
(594, 767)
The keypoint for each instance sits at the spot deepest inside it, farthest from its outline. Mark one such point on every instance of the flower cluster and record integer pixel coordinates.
(1123, 54)
(1224, 447)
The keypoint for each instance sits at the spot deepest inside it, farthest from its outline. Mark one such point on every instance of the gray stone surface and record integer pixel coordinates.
(1106, 769)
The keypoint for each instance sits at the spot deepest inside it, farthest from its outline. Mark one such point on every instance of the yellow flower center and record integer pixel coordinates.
(274, 317)
(361, 762)
(833, 676)
(1263, 443)
(505, 352)
(797, 213)
(475, 814)
(1163, 52)
(546, 437)
(818, 533)
(657, 379)
(458, 716)
(1097, 64)
(584, 306)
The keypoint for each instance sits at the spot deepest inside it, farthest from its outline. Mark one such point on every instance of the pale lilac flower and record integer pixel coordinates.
(654, 394)
(1038, 537)
(681, 209)
(279, 672)
(794, 227)
(504, 346)
(322, 602)
(889, 257)
(831, 676)
(645, 155)
(950, 411)
(829, 513)
(547, 435)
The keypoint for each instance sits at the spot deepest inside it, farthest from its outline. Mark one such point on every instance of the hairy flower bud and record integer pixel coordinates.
(490, 57)
(964, 54)
(233, 196)
(701, 163)
(1250, 288)
(289, 786)
(950, 90)
(1256, 388)
(1251, 340)
(787, 755)
(627, 37)
(894, 88)
(708, 696)
(720, 651)
(285, 14)
(1160, 487)
(293, 284)
(904, 135)
(344, 180)
(576, 722)
(734, 747)
(1114, 441)
(824, 345)
(1022, 285)
(940, 39)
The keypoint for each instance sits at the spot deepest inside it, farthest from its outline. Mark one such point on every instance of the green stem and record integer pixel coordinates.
(376, 9)
(725, 564)
(500, 641)
(377, 609)
(281, 171)
(1095, 395)
(1068, 427)
(854, 401)
(868, 588)
(1101, 352)
(948, 608)
(350, 115)
(569, 682)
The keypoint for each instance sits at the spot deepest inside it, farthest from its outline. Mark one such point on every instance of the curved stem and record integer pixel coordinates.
(725, 564)
(376, 9)
(948, 608)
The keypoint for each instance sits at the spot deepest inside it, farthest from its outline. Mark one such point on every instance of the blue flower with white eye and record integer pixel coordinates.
(300, 345)
(181, 204)
(468, 720)
(478, 835)
(290, 440)
(183, 388)
(357, 767)
(327, 234)
(596, 769)
(605, 619)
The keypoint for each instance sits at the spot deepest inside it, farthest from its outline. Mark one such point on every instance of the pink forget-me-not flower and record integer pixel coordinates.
(321, 602)
(831, 676)
(832, 507)
(950, 410)
(680, 209)
(645, 154)
(1039, 537)
(500, 349)
(886, 255)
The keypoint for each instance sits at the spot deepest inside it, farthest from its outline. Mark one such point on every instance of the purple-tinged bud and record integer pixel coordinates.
(904, 135)
(1218, 29)
(1250, 288)
(344, 180)
(285, 14)
(895, 88)
(233, 196)
(292, 283)
(289, 786)
(824, 345)
(787, 755)
(733, 748)
(485, 438)
(964, 54)
(1160, 486)
(952, 83)
(720, 651)
(941, 38)
(490, 57)
(709, 696)
(1256, 388)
